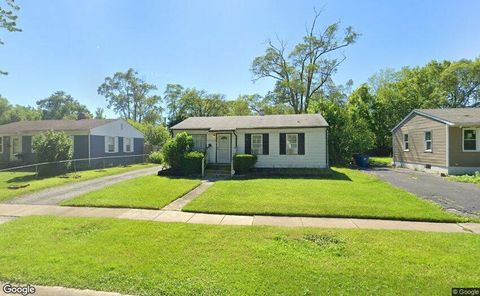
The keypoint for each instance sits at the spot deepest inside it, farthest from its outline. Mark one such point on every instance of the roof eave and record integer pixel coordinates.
(422, 114)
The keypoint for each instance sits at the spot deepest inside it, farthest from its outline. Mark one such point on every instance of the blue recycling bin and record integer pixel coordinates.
(361, 160)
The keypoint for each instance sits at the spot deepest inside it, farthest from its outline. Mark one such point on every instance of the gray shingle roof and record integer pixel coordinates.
(456, 116)
(252, 122)
(45, 125)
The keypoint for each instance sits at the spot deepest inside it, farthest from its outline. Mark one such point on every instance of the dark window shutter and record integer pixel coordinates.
(248, 143)
(301, 143)
(265, 144)
(283, 144)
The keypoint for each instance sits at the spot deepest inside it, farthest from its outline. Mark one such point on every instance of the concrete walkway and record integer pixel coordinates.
(213, 219)
(462, 198)
(178, 204)
(55, 195)
(60, 291)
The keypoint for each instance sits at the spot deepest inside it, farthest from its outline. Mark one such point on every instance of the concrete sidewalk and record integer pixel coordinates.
(55, 195)
(214, 219)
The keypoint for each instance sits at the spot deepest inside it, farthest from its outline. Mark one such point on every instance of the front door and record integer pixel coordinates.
(223, 148)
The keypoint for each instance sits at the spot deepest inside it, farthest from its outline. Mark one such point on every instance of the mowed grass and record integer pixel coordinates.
(22, 178)
(149, 192)
(346, 193)
(474, 178)
(153, 258)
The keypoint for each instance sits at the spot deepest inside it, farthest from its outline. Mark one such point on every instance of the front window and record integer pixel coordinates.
(292, 144)
(128, 145)
(110, 144)
(257, 144)
(470, 140)
(16, 146)
(428, 141)
(199, 142)
(1, 144)
(405, 142)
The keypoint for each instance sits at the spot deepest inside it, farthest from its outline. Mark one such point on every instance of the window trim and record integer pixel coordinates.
(407, 142)
(125, 145)
(20, 143)
(205, 137)
(477, 141)
(261, 143)
(1, 144)
(425, 141)
(107, 144)
(286, 143)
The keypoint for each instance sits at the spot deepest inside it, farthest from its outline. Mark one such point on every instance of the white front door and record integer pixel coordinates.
(223, 148)
(16, 147)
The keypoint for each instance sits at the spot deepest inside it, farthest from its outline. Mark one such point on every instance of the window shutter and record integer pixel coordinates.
(283, 144)
(265, 144)
(301, 143)
(248, 143)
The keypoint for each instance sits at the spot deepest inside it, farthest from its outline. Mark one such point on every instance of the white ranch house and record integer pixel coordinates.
(279, 141)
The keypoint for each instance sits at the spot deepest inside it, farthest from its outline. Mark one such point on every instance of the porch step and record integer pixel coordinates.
(218, 167)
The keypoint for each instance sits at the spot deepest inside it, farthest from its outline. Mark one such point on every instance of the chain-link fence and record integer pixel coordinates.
(76, 165)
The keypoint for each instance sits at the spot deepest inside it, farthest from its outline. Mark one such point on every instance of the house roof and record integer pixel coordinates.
(223, 123)
(45, 125)
(449, 116)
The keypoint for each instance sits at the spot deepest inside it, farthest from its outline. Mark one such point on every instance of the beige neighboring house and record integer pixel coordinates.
(279, 141)
(439, 140)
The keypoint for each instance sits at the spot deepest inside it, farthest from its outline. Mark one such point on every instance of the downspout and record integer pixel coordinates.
(326, 144)
(89, 151)
(232, 172)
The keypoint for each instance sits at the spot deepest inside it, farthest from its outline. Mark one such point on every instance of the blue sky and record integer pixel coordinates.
(73, 45)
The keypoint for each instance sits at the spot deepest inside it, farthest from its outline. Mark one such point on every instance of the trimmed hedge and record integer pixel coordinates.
(192, 163)
(242, 163)
(155, 157)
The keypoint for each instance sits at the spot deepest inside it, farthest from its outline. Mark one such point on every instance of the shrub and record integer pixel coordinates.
(242, 163)
(53, 146)
(155, 157)
(175, 149)
(192, 163)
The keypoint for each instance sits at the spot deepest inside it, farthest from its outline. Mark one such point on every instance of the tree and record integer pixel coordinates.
(61, 106)
(172, 95)
(305, 70)
(155, 134)
(130, 97)
(99, 113)
(239, 106)
(10, 113)
(8, 20)
(461, 83)
(53, 146)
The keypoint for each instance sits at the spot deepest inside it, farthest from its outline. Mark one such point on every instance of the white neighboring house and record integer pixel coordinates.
(279, 141)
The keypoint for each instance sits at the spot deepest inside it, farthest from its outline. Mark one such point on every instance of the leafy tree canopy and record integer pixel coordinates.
(62, 106)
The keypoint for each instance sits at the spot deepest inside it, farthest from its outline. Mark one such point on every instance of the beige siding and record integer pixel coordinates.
(458, 158)
(416, 127)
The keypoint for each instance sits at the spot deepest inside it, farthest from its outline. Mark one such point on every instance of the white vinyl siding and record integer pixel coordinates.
(111, 144)
(128, 145)
(199, 142)
(257, 144)
(471, 140)
(315, 148)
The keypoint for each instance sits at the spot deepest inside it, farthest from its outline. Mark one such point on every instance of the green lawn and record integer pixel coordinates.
(380, 161)
(152, 258)
(20, 178)
(346, 193)
(150, 192)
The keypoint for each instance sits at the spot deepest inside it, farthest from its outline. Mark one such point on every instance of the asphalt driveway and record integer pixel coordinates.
(462, 197)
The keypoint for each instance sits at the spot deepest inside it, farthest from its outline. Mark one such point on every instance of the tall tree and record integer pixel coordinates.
(131, 98)
(172, 95)
(305, 70)
(61, 105)
(10, 113)
(8, 19)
